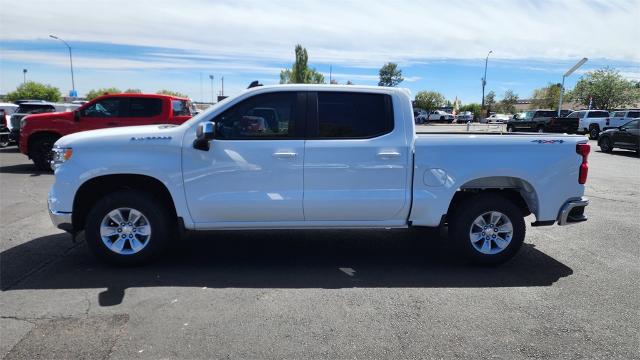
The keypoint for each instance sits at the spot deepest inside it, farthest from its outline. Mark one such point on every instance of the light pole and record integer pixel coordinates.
(24, 76)
(484, 79)
(212, 93)
(73, 83)
(569, 72)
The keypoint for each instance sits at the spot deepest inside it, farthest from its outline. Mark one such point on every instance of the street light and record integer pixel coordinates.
(24, 76)
(212, 94)
(484, 79)
(73, 83)
(569, 72)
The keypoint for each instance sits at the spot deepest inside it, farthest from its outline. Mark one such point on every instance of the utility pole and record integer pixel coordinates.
(222, 91)
(330, 74)
(212, 93)
(569, 72)
(73, 83)
(484, 79)
(201, 91)
(24, 76)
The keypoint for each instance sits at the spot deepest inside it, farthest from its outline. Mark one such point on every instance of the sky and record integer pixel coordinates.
(439, 45)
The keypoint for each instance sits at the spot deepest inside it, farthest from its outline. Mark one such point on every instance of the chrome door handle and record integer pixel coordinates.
(388, 154)
(285, 155)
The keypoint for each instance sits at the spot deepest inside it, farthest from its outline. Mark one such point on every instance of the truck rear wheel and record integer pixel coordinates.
(128, 228)
(488, 229)
(40, 151)
(594, 132)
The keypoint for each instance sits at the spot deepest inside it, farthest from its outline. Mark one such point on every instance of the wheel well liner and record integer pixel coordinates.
(519, 191)
(96, 188)
(37, 135)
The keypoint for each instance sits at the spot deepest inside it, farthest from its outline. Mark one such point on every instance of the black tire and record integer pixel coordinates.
(159, 219)
(605, 144)
(40, 151)
(462, 220)
(4, 141)
(510, 129)
(594, 132)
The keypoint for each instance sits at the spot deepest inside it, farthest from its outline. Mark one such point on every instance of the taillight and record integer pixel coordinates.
(583, 150)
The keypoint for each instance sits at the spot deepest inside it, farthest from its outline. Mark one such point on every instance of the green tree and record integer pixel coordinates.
(490, 100)
(390, 75)
(133, 91)
(300, 72)
(429, 100)
(92, 94)
(35, 91)
(172, 93)
(546, 97)
(508, 103)
(607, 89)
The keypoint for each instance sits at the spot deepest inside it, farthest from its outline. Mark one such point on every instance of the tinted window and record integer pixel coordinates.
(546, 113)
(353, 115)
(618, 114)
(145, 107)
(35, 109)
(573, 115)
(633, 114)
(597, 114)
(113, 107)
(261, 116)
(180, 108)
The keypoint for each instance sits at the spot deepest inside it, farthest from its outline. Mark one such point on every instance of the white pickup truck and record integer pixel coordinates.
(312, 157)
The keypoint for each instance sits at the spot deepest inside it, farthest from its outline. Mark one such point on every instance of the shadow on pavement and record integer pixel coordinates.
(10, 149)
(627, 153)
(23, 169)
(274, 259)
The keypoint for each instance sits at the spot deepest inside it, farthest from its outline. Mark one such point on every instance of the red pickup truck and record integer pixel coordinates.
(39, 132)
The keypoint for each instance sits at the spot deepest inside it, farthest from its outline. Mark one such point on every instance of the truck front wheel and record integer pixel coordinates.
(40, 151)
(594, 132)
(488, 229)
(128, 227)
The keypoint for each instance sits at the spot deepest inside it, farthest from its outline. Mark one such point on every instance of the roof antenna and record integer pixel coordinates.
(254, 83)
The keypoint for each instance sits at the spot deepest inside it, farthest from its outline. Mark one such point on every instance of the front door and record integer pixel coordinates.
(356, 162)
(104, 113)
(253, 171)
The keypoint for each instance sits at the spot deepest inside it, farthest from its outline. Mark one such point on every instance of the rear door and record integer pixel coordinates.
(628, 135)
(144, 111)
(356, 160)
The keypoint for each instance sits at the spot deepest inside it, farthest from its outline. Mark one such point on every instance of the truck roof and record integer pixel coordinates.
(142, 95)
(331, 87)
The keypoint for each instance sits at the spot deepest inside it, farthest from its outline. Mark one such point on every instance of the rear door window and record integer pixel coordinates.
(545, 113)
(347, 115)
(633, 114)
(598, 114)
(618, 114)
(145, 107)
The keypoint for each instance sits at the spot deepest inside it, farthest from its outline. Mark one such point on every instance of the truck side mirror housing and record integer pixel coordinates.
(204, 133)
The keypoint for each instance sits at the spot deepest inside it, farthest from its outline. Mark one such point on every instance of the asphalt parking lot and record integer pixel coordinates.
(572, 292)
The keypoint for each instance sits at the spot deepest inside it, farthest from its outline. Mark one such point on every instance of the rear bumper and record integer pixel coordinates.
(573, 211)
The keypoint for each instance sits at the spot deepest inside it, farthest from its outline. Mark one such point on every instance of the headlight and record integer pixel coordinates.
(59, 156)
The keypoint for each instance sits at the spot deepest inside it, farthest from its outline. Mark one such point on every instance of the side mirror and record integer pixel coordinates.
(204, 133)
(76, 115)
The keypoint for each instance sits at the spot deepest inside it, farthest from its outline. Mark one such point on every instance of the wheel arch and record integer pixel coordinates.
(95, 188)
(517, 190)
(38, 135)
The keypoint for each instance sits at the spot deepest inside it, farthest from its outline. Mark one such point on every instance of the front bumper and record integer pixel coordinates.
(61, 220)
(573, 211)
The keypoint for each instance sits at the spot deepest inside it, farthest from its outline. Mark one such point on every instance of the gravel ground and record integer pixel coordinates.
(572, 292)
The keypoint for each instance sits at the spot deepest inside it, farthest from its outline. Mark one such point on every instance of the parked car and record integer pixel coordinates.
(542, 121)
(497, 118)
(626, 136)
(354, 161)
(592, 122)
(621, 117)
(39, 132)
(439, 115)
(465, 116)
(29, 108)
(4, 130)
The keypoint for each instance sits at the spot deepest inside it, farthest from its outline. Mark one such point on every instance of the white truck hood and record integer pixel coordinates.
(120, 135)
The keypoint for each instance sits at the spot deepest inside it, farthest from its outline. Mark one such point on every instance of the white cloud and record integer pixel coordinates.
(351, 33)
